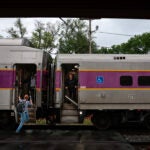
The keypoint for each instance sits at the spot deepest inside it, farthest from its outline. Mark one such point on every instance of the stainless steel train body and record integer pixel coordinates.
(15, 56)
(111, 89)
(108, 84)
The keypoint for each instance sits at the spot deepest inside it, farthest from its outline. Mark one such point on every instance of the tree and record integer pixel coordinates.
(50, 36)
(74, 37)
(22, 30)
(44, 36)
(37, 34)
(139, 44)
(19, 31)
(13, 33)
(103, 50)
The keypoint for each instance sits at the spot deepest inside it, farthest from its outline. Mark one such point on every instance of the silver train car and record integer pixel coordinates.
(18, 62)
(111, 89)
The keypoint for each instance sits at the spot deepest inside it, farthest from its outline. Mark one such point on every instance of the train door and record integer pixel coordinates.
(25, 81)
(70, 84)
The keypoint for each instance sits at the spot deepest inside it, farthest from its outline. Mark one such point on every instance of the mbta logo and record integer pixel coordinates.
(99, 79)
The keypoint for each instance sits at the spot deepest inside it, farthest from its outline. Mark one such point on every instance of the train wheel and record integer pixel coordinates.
(102, 121)
(7, 123)
(116, 121)
(147, 121)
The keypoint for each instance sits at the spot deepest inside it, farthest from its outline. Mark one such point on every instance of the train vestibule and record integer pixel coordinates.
(70, 78)
(70, 82)
(25, 80)
(25, 83)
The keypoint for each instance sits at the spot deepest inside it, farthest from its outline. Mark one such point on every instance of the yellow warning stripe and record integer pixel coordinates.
(95, 70)
(6, 88)
(38, 89)
(108, 70)
(58, 89)
(94, 89)
(6, 69)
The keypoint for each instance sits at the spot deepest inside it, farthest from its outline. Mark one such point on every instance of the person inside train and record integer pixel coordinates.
(71, 86)
(32, 86)
(26, 82)
(24, 116)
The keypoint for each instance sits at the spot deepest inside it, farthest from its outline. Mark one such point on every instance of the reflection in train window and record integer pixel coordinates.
(144, 80)
(126, 80)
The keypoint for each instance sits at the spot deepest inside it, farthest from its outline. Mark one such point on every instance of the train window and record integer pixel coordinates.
(126, 80)
(144, 80)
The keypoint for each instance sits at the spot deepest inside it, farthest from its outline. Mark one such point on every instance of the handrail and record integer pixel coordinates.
(72, 101)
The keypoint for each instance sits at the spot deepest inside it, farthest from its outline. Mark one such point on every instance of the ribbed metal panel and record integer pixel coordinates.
(14, 42)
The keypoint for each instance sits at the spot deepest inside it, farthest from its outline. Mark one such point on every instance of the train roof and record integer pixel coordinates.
(18, 51)
(102, 57)
(19, 48)
(14, 42)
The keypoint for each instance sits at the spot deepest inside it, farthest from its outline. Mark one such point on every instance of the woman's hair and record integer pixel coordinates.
(26, 96)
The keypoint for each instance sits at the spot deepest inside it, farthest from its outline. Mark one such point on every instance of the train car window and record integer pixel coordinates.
(126, 80)
(144, 80)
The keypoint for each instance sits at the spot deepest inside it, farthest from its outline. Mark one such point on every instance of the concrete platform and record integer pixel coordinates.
(64, 140)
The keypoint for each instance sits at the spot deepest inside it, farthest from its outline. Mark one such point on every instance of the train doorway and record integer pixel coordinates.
(25, 81)
(70, 80)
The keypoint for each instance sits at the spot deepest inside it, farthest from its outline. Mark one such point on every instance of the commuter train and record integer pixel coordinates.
(112, 89)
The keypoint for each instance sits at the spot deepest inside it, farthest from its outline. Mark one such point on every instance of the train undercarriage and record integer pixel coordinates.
(114, 118)
(100, 119)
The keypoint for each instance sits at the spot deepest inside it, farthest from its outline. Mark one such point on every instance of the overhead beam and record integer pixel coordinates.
(75, 8)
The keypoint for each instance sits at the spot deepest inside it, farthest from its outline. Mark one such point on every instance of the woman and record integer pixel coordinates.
(24, 116)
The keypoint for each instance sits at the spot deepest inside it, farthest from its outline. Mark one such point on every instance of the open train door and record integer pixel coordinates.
(25, 83)
(70, 93)
(70, 79)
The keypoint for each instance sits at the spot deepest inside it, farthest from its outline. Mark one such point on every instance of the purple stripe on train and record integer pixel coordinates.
(38, 79)
(58, 79)
(6, 79)
(109, 79)
(44, 79)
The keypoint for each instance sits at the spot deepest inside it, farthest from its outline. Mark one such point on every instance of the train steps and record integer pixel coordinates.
(32, 116)
(69, 114)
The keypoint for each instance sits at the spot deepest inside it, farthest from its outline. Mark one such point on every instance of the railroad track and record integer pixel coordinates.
(137, 139)
(140, 139)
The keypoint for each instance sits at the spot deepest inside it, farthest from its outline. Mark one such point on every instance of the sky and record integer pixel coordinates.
(110, 32)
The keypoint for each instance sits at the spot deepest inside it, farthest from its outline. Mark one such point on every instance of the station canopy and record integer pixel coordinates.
(76, 8)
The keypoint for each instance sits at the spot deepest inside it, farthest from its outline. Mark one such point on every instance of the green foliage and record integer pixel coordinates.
(74, 37)
(19, 31)
(44, 36)
(139, 44)
(36, 39)
(13, 33)
(19, 25)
